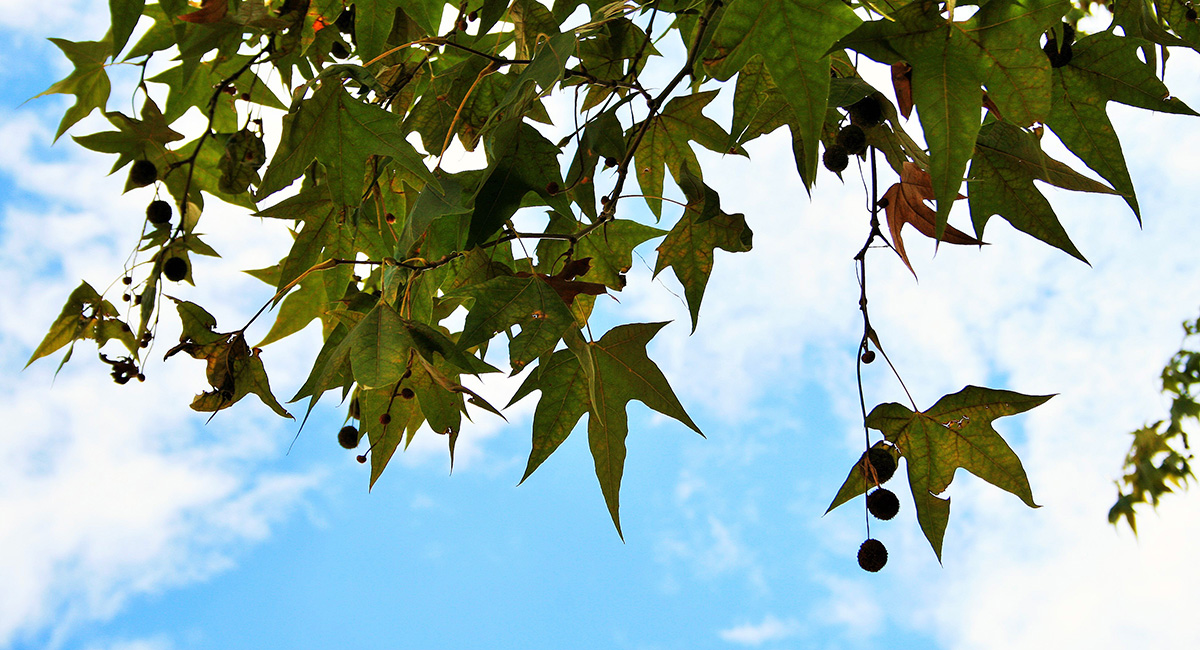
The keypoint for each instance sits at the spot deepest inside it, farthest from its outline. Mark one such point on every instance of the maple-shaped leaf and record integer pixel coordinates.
(88, 81)
(621, 372)
(599, 378)
(610, 248)
(1104, 68)
(338, 131)
(906, 205)
(690, 246)
(666, 144)
(758, 105)
(502, 302)
(323, 235)
(793, 37)
(386, 438)
(1007, 161)
(955, 432)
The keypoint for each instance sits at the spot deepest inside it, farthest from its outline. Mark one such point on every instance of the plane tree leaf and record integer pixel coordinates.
(338, 131)
(1007, 161)
(1105, 68)
(955, 432)
(667, 144)
(88, 82)
(689, 249)
(905, 204)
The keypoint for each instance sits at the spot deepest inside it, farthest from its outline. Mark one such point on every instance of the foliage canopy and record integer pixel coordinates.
(390, 247)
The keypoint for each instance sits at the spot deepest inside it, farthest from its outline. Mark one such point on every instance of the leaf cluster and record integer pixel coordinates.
(391, 247)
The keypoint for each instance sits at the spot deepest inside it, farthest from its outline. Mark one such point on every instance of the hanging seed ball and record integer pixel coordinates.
(868, 356)
(866, 112)
(872, 555)
(142, 173)
(158, 212)
(882, 461)
(338, 51)
(835, 158)
(853, 139)
(385, 419)
(362, 458)
(883, 504)
(1190, 15)
(348, 437)
(407, 393)
(175, 268)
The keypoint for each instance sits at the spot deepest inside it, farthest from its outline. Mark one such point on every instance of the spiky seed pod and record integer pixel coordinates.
(175, 268)
(853, 139)
(866, 112)
(158, 212)
(142, 173)
(882, 461)
(872, 555)
(883, 504)
(835, 158)
(348, 437)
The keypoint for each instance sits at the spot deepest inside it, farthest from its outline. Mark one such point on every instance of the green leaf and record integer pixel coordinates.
(125, 15)
(338, 131)
(134, 139)
(1007, 160)
(522, 161)
(503, 302)
(666, 143)
(88, 81)
(689, 248)
(564, 400)
(955, 432)
(793, 37)
(385, 438)
(623, 373)
(1105, 68)
(323, 235)
(610, 248)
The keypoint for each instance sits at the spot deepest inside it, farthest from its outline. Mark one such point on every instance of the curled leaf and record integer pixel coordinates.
(906, 204)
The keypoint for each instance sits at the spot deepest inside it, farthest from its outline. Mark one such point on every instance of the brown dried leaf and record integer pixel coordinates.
(902, 83)
(906, 204)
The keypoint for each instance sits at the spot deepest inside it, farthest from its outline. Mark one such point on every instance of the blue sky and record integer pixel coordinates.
(130, 525)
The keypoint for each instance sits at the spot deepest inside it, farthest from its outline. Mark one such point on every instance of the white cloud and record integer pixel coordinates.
(770, 629)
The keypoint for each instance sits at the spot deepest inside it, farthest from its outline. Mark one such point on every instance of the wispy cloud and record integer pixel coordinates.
(756, 634)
